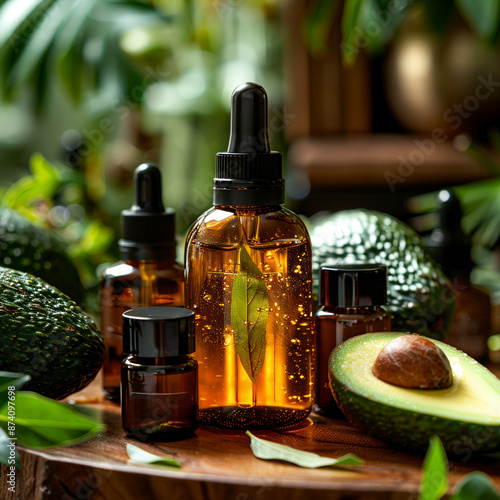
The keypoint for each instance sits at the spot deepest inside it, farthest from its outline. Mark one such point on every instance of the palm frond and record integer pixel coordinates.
(77, 42)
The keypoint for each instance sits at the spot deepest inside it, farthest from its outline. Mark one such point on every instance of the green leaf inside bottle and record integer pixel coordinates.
(249, 314)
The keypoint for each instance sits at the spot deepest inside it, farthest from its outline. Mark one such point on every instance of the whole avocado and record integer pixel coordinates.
(31, 249)
(419, 296)
(44, 334)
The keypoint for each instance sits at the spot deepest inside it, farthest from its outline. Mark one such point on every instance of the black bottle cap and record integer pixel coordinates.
(249, 173)
(353, 285)
(148, 228)
(154, 332)
(448, 244)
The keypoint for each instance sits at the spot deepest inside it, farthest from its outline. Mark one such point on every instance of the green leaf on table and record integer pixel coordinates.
(249, 314)
(434, 471)
(267, 450)
(41, 422)
(6, 456)
(476, 486)
(143, 457)
(10, 379)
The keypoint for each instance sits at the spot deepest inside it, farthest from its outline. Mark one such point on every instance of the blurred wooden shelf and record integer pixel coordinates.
(219, 465)
(375, 161)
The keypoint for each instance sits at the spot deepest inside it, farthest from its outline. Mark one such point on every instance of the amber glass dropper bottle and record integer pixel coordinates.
(147, 276)
(249, 282)
(451, 248)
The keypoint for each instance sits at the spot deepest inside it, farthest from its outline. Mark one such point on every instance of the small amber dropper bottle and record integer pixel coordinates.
(451, 248)
(148, 274)
(159, 386)
(350, 300)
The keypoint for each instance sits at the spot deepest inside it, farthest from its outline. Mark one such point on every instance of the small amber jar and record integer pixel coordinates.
(350, 303)
(159, 378)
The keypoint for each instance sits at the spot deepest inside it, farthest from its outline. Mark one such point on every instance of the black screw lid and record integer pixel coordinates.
(353, 285)
(148, 228)
(448, 244)
(249, 173)
(153, 332)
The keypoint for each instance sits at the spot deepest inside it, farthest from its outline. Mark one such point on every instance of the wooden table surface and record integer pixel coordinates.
(219, 465)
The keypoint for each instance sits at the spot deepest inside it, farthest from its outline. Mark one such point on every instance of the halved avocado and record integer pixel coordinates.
(465, 416)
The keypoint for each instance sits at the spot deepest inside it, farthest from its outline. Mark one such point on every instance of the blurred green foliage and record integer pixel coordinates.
(124, 73)
(105, 52)
(370, 24)
(480, 203)
(123, 70)
(77, 41)
(62, 199)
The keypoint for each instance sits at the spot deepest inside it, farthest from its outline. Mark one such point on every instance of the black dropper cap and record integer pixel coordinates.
(353, 285)
(148, 228)
(155, 332)
(249, 173)
(448, 243)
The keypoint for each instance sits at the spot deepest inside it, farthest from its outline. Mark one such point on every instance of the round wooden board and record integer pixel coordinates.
(219, 465)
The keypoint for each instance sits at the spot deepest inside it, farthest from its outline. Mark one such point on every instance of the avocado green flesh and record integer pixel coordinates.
(468, 410)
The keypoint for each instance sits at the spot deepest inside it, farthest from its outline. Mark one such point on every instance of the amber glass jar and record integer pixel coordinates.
(350, 303)
(159, 379)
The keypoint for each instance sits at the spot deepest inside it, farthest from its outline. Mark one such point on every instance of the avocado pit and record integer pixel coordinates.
(414, 362)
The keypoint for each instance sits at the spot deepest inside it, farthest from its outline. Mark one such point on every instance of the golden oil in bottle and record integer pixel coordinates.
(249, 282)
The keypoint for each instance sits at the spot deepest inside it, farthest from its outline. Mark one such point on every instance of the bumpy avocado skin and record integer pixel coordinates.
(419, 296)
(44, 334)
(408, 429)
(28, 248)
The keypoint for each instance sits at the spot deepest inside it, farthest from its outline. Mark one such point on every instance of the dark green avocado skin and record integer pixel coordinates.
(403, 428)
(391, 425)
(419, 296)
(28, 248)
(44, 334)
